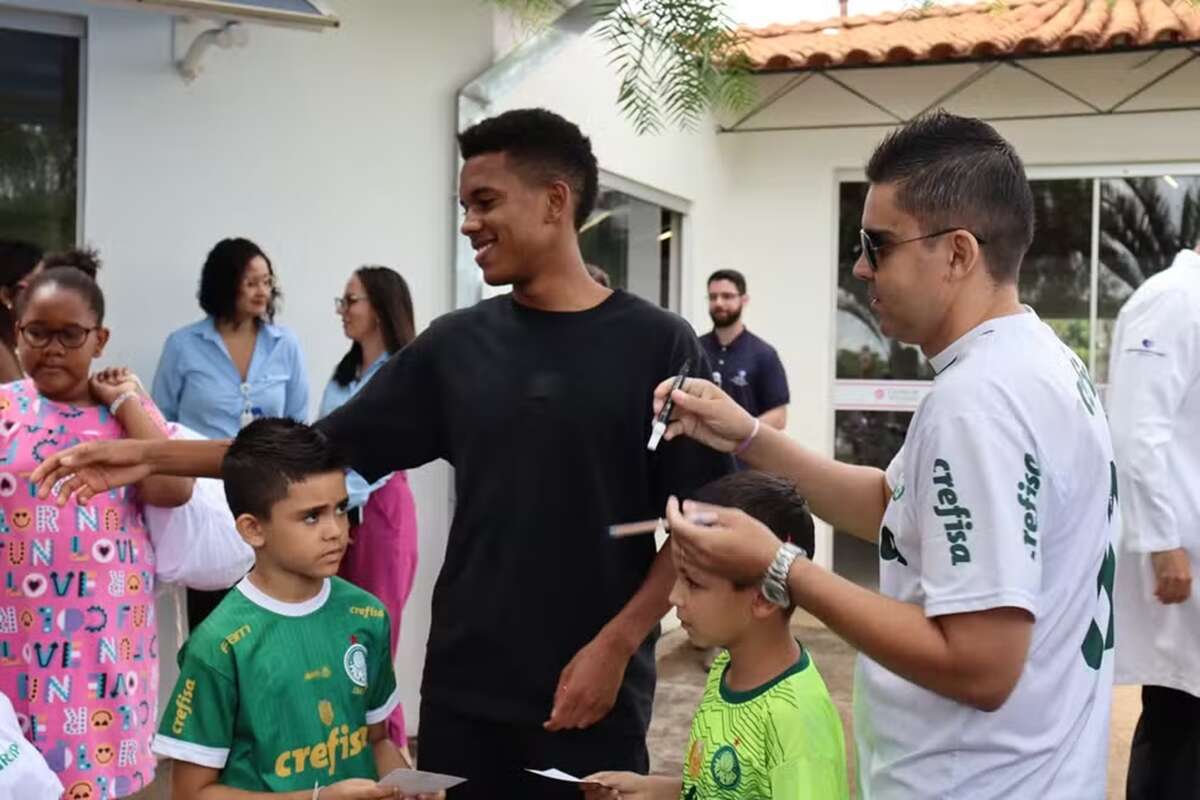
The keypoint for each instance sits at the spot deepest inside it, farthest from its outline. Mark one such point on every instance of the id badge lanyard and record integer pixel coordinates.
(247, 410)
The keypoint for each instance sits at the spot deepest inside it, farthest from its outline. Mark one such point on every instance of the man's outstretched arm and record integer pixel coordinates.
(90, 469)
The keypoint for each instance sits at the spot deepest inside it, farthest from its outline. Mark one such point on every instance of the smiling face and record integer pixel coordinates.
(511, 222)
(51, 315)
(359, 319)
(307, 531)
(911, 291)
(254, 290)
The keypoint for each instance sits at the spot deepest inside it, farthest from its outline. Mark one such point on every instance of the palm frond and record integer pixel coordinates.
(676, 60)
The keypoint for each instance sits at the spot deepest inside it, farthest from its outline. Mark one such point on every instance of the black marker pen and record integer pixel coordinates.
(664, 416)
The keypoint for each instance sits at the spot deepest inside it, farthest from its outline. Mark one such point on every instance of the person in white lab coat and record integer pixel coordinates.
(1154, 414)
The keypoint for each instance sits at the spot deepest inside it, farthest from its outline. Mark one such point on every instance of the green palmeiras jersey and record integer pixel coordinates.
(278, 696)
(782, 740)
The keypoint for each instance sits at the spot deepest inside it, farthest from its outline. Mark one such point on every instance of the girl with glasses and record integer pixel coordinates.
(78, 645)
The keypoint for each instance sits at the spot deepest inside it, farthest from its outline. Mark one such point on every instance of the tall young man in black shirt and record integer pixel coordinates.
(541, 647)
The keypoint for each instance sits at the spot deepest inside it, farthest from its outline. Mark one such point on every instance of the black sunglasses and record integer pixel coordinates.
(871, 248)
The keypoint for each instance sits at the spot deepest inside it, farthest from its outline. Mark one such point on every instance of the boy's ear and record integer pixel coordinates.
(250, 530)
(761, 607)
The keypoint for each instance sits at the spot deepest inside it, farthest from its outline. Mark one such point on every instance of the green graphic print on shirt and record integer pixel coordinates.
(279, 696)
(781, 740)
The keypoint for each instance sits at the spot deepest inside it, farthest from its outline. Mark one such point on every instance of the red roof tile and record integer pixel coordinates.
(980, 31)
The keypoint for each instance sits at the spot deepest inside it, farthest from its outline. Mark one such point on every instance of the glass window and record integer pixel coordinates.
(39, 137)
(863, 351)
(637, 243)
(1056, 275)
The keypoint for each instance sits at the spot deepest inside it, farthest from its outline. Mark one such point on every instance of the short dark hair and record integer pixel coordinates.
(70, 278)
(84, 259)
(388, 294)
(771, 500)
(958, 171)
(545, 147)
(731, 275)
(221, 277)
(17, 259)
(269, 455)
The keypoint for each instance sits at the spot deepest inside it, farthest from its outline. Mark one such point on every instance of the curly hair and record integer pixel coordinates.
(221, 278)
(84, 259)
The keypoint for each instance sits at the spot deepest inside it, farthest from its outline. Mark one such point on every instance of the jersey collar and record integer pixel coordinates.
(948, 357)
(264, 600)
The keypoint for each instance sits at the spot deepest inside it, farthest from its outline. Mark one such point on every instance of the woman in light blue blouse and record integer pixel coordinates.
(217, 375)
(377, 316)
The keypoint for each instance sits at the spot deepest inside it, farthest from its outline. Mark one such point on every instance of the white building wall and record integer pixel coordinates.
(330, 150)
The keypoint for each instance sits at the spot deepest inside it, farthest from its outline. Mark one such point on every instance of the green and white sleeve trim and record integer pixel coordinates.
(377, 715)
(214, 757)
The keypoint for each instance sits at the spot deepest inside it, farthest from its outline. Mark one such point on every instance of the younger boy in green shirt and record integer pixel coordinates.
(766, 727)
(283, 690)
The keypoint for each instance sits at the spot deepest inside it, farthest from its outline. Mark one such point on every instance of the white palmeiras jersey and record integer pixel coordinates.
(1004, 494)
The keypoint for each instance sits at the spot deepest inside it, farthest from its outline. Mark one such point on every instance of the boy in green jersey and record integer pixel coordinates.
(284, 689)
(766, 727)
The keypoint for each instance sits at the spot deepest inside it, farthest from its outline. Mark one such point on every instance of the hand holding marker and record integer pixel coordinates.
(664, 416)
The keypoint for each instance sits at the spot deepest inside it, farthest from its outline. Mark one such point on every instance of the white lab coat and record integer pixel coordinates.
(1154, 413)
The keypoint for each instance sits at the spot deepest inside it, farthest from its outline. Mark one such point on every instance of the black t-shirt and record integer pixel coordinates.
(545, 418)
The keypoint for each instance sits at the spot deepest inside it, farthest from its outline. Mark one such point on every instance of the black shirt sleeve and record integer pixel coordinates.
(395, 421)
(682, 466)
(772, 388)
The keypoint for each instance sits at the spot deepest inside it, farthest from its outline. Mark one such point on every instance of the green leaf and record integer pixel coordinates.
(677, 60)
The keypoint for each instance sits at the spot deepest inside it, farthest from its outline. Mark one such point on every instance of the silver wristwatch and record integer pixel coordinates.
(774, 583)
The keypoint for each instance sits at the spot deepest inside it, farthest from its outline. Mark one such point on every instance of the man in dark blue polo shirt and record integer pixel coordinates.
(745, 366)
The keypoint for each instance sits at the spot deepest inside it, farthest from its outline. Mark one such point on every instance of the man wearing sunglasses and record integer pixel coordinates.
(986, 657)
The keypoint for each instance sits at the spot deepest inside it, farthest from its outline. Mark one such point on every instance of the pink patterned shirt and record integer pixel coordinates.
(78, 644)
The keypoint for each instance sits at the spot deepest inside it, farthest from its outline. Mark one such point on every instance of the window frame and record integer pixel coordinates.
(681, 229)
(69, 26)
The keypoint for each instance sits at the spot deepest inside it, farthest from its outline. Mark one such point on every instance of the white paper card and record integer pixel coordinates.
(414, 781)
(555, 775)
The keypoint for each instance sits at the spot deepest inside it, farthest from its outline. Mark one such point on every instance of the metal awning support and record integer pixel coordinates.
(307, 14)
(194, 20)
(984, 68)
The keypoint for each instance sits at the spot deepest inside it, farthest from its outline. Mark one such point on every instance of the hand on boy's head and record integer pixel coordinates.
(723, 541)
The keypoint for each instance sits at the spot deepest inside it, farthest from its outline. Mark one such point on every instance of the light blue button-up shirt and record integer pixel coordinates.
(197, 385)
(335, 397)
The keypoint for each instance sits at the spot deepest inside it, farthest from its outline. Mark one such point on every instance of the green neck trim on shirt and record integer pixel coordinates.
(730, 696)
